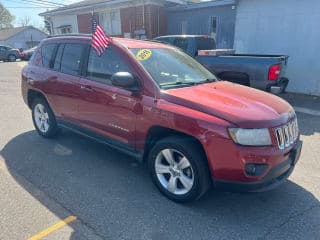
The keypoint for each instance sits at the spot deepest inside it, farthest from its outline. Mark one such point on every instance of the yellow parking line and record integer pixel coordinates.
(53, 228)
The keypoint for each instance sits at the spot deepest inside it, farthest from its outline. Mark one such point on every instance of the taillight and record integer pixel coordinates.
(274, 72)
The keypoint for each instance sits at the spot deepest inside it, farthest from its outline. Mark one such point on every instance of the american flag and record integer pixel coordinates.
(100, 41)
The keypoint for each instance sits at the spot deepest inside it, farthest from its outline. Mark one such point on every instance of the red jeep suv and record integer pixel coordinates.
(156, 103)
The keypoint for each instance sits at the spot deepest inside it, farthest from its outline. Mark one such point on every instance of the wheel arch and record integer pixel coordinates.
(33, 94)
(156, 133)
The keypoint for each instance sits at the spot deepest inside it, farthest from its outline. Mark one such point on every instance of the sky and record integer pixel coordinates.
(22, 8)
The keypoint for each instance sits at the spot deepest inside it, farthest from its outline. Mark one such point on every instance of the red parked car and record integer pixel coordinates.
(159, 105)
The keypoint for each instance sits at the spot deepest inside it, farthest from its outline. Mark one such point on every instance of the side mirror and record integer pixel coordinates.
(124, 80)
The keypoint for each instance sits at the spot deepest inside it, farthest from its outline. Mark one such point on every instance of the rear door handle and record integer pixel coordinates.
(87, 88)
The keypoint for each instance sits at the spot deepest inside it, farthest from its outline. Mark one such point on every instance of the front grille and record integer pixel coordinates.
(287, 134)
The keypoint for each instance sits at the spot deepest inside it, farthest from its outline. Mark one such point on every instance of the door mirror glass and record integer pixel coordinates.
(124, 80)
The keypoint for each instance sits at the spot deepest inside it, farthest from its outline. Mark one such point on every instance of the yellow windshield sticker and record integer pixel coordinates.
(144, 54)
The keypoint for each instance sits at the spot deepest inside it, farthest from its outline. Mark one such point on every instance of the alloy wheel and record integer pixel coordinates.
(41, 118)
(174, 171)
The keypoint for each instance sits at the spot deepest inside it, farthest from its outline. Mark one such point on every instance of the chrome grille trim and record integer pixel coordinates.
(287, 134)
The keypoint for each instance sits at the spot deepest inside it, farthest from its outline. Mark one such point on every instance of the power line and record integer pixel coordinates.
(33, 4)
(40, 3)
(55, 3)
(46, 1)
(30, 7)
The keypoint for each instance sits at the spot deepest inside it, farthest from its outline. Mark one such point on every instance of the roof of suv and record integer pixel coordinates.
(129, 43)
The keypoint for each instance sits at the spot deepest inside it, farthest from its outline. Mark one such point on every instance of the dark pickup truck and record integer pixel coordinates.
(265, 72)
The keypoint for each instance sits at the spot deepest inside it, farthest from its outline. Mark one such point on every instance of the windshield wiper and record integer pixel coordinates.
(176, 83)
(205, 81)
(202, 82)
(179, 83)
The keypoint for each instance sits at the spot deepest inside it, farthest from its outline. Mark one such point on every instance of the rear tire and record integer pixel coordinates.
(43, 118)
(179, 169)
(284, 84)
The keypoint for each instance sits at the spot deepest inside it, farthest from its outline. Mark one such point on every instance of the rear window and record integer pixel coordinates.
(205, 43)
(165, 39)
(47, 52)
(71, 59)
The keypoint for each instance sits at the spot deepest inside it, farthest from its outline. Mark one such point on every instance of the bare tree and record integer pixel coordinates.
(6, 18)
(25, 21)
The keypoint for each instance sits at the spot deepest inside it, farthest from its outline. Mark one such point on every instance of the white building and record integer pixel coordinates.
(125, 18)
(21, 37)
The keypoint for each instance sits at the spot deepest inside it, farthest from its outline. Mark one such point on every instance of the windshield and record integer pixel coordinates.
(172, 68)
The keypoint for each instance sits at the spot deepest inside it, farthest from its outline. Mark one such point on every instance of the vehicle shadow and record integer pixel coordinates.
(113, 195)
(308, 124)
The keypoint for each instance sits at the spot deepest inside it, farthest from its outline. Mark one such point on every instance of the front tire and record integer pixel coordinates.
(179, 169)
(12, 58)
(43, 118)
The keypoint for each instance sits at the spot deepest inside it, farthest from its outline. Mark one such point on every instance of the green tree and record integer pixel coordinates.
(6, 18)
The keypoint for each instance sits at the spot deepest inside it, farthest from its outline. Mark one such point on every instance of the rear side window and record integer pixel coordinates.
(3, 48)
(47, 52)
(36, 58)
(102, 68)
(205, 43)
(71, 59)
(57, 62)
(181, 43)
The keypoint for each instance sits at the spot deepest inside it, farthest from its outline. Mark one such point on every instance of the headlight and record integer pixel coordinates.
(251, 137)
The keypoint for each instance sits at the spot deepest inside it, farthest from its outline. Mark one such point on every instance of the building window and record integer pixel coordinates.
(65, 29)
(111, 22)
(213, 27)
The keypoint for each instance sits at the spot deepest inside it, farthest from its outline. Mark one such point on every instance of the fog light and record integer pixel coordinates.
(255, 170)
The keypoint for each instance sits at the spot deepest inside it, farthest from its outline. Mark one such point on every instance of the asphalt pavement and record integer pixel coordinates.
(43, 182)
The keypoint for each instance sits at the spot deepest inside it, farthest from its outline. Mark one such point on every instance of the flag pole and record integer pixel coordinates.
(92, 18)
(100, 41)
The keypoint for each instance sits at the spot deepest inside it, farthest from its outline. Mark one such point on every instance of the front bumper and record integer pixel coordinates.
(275, 176)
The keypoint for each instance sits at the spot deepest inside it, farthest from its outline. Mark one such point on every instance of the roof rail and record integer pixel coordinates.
(70, 35)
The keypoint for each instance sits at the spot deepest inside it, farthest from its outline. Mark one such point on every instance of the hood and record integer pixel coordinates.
(243, 106)
(14, 50)
(31, 50)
